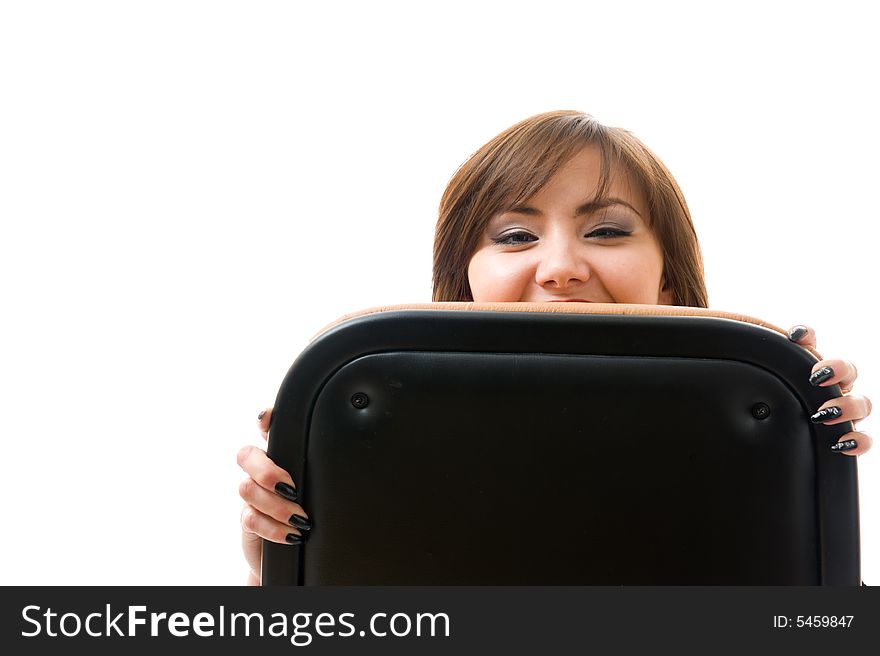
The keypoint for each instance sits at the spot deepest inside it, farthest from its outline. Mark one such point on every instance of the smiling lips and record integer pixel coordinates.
(572, 300)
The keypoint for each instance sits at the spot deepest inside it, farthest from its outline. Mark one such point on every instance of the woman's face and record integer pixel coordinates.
(564, 245)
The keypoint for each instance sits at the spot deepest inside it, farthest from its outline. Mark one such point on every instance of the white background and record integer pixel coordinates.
(190, 190)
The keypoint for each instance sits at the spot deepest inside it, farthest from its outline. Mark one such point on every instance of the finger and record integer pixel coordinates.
(270, 476)
(803, 335)
(834, 372)
(853, 444)
(276, 507)
(846, 408)
(263, 421)
(252, 545)
(256, 523)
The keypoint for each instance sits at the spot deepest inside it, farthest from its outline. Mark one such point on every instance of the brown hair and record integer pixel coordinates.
(518, 162)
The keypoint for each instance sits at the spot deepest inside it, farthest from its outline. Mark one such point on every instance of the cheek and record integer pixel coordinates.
(636, 277)
(494, 278)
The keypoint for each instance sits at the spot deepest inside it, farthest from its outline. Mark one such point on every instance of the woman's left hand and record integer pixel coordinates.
(848, 407)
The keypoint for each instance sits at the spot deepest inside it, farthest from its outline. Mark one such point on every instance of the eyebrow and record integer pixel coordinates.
(587, 208)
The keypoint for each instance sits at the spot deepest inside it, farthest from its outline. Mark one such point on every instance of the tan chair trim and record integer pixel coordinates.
(568, 308)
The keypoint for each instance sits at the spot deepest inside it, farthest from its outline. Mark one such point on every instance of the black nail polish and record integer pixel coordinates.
(300, 522)
(293, 539)
(261, 415)
(826, 414)
(821, 376)
(287, 491)
(797, 333)
(848, 445)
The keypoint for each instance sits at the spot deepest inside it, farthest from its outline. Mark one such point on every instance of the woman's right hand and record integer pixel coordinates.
(270, 510)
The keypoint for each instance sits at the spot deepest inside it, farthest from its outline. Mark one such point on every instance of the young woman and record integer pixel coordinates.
(557, 208)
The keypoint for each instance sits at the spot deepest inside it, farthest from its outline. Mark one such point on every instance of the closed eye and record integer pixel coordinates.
(514, 238)
(609, 233)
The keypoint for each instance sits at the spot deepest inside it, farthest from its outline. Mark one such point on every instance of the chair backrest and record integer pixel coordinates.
(561, 444)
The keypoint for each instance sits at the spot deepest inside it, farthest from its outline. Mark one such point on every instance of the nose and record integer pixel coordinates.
(562, 265)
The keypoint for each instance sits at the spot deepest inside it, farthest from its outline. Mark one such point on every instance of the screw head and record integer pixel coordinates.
(760, 411)
(360, 400)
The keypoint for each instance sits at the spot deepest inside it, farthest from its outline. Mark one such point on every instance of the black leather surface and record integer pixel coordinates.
(590, 468)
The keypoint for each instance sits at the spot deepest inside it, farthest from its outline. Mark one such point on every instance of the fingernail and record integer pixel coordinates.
(287, 491)
(821, 376)
(797, 333)
(824, 415)
(261, 415)
(300, 522)
(293, 539)
(848, 445)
